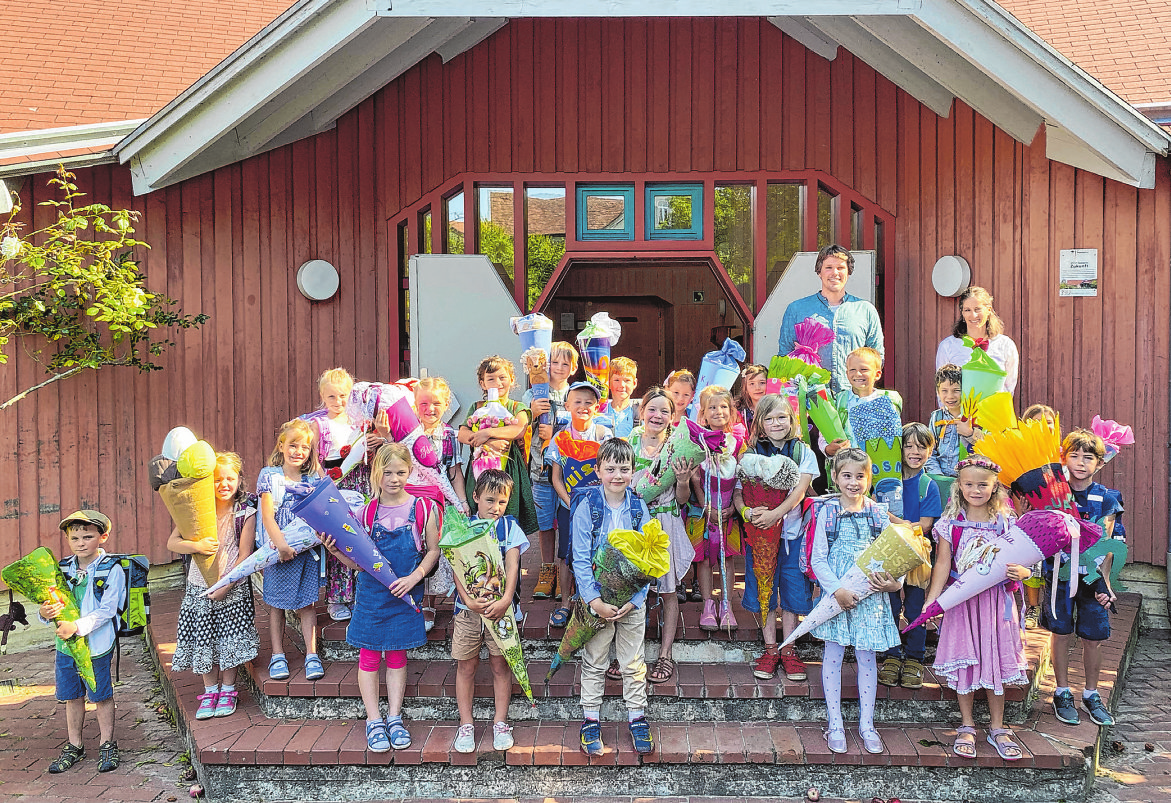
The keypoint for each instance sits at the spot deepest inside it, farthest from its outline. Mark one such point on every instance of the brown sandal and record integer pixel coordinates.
(614, 671)
(662, 670)
(912, 674)
(965, 743)
(888, 674)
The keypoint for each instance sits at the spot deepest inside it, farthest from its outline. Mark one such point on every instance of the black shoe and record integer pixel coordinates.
(1097, 710)
(1064, 708)
(108, 758)
(70, 755)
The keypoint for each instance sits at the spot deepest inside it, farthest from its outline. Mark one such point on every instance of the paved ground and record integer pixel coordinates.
(1141, 769)
(153, 758)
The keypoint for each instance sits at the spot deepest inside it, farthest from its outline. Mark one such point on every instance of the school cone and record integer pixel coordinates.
(39, 578)
(191, 503)
(474, 554)
(1029, 456)
(298, 535)
(330, 511)
(625, 562)
(1037, 535)
(765, 482)
(896, 550)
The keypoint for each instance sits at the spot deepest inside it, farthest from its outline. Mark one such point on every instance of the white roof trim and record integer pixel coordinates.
(50, 165)
(16, 144)
(322, 57)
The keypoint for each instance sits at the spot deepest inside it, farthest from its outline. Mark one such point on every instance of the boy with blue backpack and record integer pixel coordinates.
(598, 511)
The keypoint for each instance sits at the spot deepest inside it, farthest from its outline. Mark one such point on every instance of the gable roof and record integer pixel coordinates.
(1125, 44)
(85, 65)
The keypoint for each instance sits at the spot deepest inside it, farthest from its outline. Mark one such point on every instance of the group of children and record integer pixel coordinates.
(572, 508)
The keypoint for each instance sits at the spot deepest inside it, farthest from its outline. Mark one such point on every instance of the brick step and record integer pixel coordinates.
(252, 756)
(717, 692)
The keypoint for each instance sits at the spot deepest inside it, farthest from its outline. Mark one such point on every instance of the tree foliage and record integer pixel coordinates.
(72, 294)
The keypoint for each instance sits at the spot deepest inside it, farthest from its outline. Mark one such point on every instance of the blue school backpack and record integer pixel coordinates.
(829, 507)
(592, 497)
(134, 607)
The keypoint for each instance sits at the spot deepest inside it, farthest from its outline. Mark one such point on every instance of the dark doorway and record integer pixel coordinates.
(670, 312)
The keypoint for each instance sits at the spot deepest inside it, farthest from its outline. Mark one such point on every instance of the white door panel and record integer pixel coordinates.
(459, 315)
(799, 281)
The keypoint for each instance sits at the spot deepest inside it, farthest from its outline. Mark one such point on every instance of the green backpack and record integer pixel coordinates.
(134, 607)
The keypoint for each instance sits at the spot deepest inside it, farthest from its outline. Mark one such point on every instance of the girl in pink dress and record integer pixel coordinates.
(979, 640)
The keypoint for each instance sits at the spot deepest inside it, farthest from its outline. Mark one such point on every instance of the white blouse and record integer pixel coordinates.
(1000, 348)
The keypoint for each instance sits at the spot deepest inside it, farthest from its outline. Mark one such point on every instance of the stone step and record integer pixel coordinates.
(715, 692)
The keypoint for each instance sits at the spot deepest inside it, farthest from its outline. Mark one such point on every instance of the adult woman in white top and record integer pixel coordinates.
(979, 321)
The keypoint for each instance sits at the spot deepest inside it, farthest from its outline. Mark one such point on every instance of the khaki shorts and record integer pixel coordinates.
(468, 635)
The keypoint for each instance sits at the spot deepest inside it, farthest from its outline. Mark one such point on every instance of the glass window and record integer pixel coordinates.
(827, 218)
(425, 231)
(453, 224)
(495, 237)
(544, 238)
(674, 212)
(856, 223)
(783, 227)
(605, 212)
(734, 235)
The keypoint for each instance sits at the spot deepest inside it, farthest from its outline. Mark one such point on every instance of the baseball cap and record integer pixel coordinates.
(584, 386)
(99, 520)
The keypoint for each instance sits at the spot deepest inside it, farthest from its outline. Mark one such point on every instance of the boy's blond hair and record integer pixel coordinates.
(563, 348)
(1083, 440)
(382, 458)
(623, 366)
(338, 377)
(867, 353)
(292, 429)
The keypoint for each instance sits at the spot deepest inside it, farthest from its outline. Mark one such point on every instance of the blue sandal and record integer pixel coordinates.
(560, 618)
(376, 738)
(313, 668)
(400, 737)
(278, 668)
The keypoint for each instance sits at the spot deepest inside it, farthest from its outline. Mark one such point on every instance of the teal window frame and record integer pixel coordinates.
(695, 191)
(584, 191)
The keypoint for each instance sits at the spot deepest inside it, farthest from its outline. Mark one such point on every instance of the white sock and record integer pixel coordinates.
(634, 714)
(226, 687)
(211, 689)
(594, 715)
(1060, 690)
(1088, 692)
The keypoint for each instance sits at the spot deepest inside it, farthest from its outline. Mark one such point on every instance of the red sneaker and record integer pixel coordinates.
(765, 667)
(794, 667)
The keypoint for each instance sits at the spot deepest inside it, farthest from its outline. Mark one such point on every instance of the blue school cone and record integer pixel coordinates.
(326, 510)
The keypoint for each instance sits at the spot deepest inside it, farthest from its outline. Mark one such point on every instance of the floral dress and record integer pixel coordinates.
(980, 639)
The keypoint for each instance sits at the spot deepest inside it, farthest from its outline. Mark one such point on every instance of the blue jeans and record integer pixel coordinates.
(914, 643)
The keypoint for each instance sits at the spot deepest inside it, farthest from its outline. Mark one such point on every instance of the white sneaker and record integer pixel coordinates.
(502, 736)
(465, 739)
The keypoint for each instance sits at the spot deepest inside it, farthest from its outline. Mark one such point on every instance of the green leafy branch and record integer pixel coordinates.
(73, 294)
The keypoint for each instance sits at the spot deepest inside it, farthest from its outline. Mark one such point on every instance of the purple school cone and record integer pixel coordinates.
(326, 510)
(1036, 536)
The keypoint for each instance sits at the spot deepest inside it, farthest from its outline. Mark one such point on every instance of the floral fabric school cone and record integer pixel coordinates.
(38, 577)
(896, 550)
(765, 482)
(474, 554)
(1037, 535)
(625, 562)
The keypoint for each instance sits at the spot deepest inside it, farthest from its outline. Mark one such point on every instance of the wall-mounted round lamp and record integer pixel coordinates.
(317, 280)
(951, 276)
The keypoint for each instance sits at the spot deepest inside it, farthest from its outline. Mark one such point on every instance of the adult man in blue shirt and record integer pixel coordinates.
(854, 321)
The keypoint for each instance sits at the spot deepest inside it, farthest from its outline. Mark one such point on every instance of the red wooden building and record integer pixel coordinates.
(689, 158)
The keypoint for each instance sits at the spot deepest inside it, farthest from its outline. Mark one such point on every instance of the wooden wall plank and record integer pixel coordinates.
(636, 79)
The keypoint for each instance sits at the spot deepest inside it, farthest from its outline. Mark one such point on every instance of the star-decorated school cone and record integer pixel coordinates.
(475, 557)
(897, 550)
